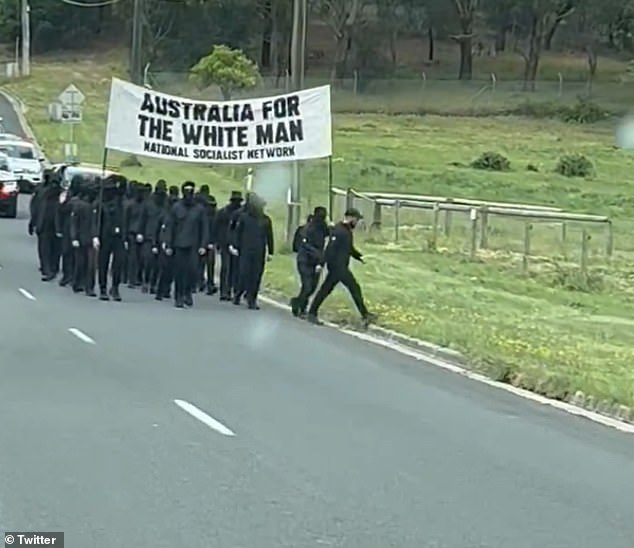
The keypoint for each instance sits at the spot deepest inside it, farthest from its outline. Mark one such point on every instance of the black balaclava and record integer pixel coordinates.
(147, 191)
(160, 192)
(213, 204)
(138, 192)
(187, 189)
(75, 185)
(173, 194)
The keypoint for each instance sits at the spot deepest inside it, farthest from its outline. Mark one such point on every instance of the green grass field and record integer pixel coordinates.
(553, 330)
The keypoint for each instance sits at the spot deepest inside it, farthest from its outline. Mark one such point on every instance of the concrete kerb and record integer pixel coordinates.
(618, 417)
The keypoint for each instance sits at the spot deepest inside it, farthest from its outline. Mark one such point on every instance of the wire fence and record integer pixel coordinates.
(413, 96)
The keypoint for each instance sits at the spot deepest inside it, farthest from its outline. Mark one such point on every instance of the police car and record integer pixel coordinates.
(8, 189)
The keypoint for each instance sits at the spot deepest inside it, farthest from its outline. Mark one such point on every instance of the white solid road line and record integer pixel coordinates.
(204, 418)
(81, 335)
(569, 408)
(27, 295)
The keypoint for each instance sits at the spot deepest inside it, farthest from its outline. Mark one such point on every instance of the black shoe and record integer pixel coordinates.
(64, 282)
(158, 297)
(225, 298)
(77, 289)
(131, 286)
(312, 318)
(48, 277)
(212, 290)
(189, 301)
(368, 319)
(179, 304)
(253, 306)
(103, 295)
(90, 293)
(145, 289)
(236, 301)
(152, 291)
(114, 293)
(295, 307)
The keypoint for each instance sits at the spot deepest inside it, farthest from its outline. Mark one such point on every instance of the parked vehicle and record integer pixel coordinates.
(8, 189)
(25, 163)
(87, 171)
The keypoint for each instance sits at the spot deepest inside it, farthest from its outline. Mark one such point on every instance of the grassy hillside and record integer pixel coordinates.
(554, 329)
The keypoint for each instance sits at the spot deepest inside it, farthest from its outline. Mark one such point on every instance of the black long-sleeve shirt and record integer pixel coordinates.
(187, 226)
(340, 248)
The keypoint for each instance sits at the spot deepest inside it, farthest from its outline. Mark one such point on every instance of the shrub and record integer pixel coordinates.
(492, 161)
(583, 111)
(130, 161)
(574, 165)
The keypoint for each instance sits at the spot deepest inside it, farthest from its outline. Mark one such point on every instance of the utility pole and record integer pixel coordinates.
(298, 56)
(26, 38)
(136, 50)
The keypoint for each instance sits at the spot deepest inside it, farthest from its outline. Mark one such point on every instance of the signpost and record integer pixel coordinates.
(71, 100)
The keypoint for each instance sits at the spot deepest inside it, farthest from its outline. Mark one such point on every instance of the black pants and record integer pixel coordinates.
(250, 276)
(150, 266)
(309, 280)
(185, 266)
(48, 250)
(84, 276)
(207, 271)
(227, 272)
(68, 260)
(166, 274)
(334, 277)
(135, 262)
(111, 248)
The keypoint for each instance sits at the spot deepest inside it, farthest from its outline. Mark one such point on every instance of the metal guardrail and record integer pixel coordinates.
(479, 212)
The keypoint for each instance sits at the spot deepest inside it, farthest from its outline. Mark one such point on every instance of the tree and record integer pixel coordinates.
(466, 11)
(226, 68)
(542, 17)
(343, 17)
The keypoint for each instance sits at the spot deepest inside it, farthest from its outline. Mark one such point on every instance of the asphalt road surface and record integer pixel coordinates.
(136, 424)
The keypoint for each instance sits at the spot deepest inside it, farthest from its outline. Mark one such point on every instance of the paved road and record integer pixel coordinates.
(337, 443)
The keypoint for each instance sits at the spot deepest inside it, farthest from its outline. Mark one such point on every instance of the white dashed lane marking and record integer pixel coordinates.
(26, 294)
(81, 335)
(204, 418)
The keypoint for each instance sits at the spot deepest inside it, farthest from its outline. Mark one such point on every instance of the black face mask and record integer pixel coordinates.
(188, 196)
(139, 197)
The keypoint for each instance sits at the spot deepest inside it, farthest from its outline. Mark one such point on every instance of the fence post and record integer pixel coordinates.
(484, 227)
(561, 83)
(397, 215)
(474, 233)
(376, 216)
(494, 81)
(435, 221)
(528, 227)
(349, 198)
(448, 213)
(609, 246)
(424, 80)
(585, 239)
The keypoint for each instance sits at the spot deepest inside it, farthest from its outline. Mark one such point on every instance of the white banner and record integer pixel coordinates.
(284, 128)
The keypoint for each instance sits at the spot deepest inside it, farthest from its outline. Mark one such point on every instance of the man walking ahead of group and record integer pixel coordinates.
(337, 257)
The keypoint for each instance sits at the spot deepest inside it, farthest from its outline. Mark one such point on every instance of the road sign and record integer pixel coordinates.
(71, 100)
(71, 96)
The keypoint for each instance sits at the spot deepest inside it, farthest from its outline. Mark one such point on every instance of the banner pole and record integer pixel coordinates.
(99, 202)
(330, 195)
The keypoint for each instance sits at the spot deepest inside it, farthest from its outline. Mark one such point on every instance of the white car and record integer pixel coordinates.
(25, 163)
(86, 171)
(8, 189)
(10, 137)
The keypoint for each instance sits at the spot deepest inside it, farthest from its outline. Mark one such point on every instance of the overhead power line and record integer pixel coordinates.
(101, 4)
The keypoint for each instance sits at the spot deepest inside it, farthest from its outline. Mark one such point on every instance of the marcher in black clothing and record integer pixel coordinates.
(44, 210)
(135, 225)
(128, 199)
(81, 233)
(155, 211)
(252, 243)
(229, 263)
(172, 195)
(299, 234)
(187, 239)
(310, 258)
(337, 258)
(207, 264)
(68, 200)
(34, 204)
(108, 235)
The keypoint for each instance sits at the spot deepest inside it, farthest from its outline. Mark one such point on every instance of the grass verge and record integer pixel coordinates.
(553, 329)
